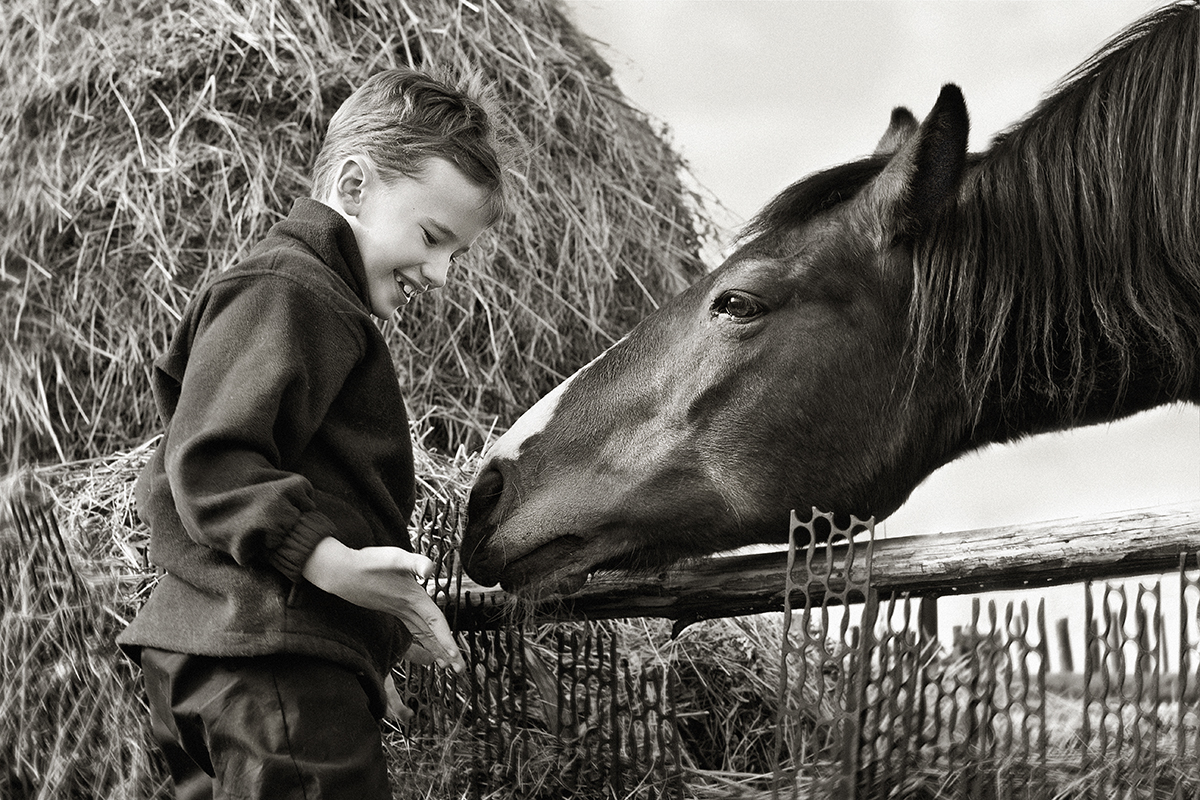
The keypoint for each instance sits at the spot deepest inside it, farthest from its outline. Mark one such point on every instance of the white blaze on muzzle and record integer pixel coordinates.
(534, 420)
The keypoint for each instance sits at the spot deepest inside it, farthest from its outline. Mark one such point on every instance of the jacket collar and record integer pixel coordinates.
(329, 236)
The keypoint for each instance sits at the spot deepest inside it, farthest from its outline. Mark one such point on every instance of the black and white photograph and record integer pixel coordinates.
(599, 399)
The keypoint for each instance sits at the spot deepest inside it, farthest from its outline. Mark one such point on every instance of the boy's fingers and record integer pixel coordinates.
(448, 654)
(435, 651)
(396, 708)
(430, 630)
(420, 654)
(417, 564)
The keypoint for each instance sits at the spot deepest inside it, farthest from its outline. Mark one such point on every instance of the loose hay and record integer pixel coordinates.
(71, 720)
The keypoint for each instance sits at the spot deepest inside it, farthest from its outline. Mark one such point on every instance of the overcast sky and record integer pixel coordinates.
(757, 94)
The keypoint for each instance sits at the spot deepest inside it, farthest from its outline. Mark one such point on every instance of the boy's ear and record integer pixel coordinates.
(351, 178)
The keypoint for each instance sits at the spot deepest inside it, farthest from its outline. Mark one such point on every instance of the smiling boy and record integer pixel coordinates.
(279, 497)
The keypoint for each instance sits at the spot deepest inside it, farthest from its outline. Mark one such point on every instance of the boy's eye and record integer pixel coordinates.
(429, 239)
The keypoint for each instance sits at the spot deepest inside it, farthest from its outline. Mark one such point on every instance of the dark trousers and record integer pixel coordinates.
(277, 727)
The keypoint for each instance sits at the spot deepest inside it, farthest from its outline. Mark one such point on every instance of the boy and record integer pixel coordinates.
(279, 498)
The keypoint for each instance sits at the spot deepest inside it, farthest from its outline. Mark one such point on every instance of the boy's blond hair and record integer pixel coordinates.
(400, 118)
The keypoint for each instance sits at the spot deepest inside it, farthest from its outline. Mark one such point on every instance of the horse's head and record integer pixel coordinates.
(781, 380)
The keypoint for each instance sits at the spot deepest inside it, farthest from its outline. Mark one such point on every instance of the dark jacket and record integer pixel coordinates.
(284, 424)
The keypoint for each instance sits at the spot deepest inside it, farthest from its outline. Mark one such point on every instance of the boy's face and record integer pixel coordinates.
(410, 230)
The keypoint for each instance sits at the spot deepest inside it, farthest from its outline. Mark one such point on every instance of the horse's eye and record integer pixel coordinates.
(738, 306)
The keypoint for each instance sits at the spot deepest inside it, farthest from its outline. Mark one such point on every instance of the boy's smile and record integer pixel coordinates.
(409, 230)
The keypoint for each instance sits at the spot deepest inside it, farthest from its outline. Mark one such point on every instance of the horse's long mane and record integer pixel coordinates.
(1070, 264)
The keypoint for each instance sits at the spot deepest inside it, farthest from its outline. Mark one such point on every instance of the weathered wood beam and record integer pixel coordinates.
(992, 559)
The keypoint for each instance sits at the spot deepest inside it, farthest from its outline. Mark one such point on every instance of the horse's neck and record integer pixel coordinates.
(1005, 418)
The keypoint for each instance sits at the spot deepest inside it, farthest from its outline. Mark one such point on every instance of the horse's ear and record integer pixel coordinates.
(925, 171)
(901, 128)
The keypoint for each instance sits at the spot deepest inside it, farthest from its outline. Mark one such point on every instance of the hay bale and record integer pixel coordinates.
(149, 145)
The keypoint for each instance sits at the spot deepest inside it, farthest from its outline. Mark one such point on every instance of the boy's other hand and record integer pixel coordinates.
(385, 579)
(397, 710)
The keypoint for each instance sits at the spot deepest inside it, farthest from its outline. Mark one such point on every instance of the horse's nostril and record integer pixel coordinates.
(481, 505)
(485, 495)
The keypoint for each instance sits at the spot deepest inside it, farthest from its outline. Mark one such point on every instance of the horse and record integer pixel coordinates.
(877, 320)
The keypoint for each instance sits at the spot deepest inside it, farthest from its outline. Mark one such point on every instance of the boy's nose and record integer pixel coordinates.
(435, 273)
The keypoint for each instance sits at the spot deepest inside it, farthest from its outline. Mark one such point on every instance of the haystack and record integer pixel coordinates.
(147, 145)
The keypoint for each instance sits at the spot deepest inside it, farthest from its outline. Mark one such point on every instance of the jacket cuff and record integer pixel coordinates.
(298, 544)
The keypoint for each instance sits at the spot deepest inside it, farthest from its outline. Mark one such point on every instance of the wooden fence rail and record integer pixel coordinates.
(1020, 556)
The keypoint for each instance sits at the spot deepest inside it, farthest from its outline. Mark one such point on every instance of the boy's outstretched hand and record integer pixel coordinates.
(385, 579)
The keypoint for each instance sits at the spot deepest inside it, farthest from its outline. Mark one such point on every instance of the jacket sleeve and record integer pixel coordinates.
(265, 358)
